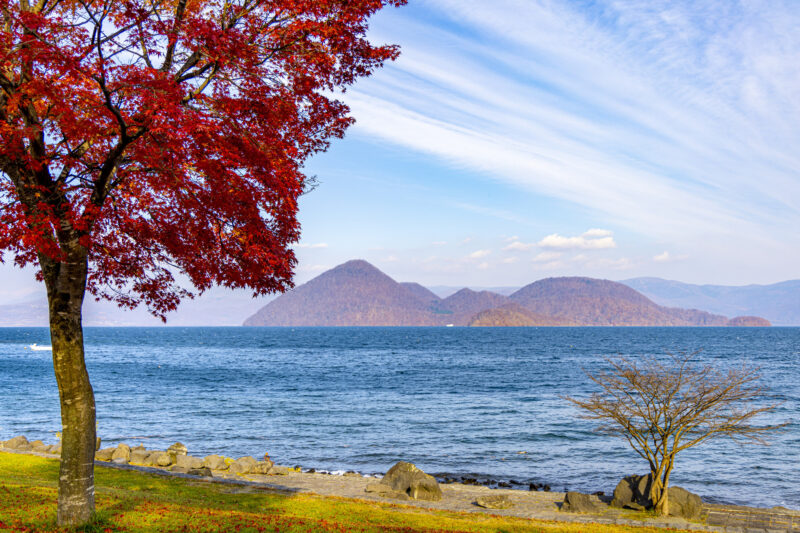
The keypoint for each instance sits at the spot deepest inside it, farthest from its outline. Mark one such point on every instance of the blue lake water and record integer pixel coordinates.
(462, 401)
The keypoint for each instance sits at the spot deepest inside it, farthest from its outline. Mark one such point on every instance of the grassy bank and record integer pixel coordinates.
(135, 501)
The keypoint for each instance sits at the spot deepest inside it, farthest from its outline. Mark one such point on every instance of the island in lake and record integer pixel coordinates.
(356, 293)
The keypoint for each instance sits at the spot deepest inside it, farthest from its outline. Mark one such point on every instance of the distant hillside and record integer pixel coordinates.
(466, 303)
(595, 302)
(358, 294)
(421, 293)
(514, 315)
(352, 294)
(779, 303)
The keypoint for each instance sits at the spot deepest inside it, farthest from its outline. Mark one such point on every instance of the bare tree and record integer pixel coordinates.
(663, 406)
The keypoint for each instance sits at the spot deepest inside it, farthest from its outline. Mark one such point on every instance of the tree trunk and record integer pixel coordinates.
(66, 284)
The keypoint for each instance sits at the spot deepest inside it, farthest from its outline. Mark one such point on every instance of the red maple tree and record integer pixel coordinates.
(142, 138)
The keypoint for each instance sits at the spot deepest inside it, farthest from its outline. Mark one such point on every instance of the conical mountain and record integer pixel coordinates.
(466, 303)
(353, 293)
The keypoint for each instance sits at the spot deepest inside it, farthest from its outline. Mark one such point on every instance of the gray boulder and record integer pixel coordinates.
(178, 469)
(406, 477)
(119, 461)
(262, 467)
(215, 462)
(494, 501)
(187, 461)
(633, 492)
(576, 502)
(161, 459)
(243, 465)
(38, 446)
(276, 470)
(19, 443)
(106, 454)
(683, 503)
(123, 451)
(176, 450)
(203, 471)
(139, 456)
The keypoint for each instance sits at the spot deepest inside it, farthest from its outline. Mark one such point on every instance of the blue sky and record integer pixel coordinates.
(516, 140)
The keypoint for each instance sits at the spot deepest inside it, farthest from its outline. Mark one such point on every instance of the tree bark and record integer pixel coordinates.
(66, 284)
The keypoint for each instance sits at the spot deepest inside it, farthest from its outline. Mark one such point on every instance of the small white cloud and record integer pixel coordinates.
(547, 256)
(582, 242)
(483, 266)
(478, 254)
(597, 232)
(512, 238)
(312, 246)
(667, 257)
(467, 240)
(519, 246)
(580, 257)
(510, 260)
(390, 259)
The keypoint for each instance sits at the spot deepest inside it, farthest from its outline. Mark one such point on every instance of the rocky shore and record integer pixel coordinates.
(405, 483)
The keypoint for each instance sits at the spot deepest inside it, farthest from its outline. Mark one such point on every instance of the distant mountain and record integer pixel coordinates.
(421, 293)
(352, 294)
(779, 302)
(443, 291)
(595, 302)
(514, 315)
(466, 303)
(217, 307)
(358, 294)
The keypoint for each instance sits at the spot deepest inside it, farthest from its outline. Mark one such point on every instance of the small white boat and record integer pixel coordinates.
(36, 348)
(449, 325)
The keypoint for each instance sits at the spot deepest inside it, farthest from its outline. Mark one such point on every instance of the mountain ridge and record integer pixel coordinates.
(356, 293)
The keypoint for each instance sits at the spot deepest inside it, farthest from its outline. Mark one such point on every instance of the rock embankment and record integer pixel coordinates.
(174, 459)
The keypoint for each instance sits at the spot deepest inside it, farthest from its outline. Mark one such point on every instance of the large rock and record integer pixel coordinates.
(633, 492)
(189, 462)
(18, 443)
(106, 454)
(494, 501)
(683, 503)
(176, 450)
(139, 455)
(161, 459)
(262, 467)
(407, 478)
(215, 462)
(123, 451)
(576, 502)
(243, 465)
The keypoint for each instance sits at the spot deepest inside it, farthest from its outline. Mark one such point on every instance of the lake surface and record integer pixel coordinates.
(458, 401)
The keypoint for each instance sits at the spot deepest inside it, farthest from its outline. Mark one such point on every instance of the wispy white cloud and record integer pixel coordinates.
(655, 113)
(590, 240)
(311, 246)
(478, 254)
(519, 246)
(666, 257)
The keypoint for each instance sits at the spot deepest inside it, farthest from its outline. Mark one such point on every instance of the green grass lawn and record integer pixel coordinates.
(135, 501)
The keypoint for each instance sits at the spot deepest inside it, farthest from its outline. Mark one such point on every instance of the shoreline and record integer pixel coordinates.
(460, 497)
